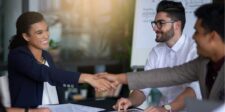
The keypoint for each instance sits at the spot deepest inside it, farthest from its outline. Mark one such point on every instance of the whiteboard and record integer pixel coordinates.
(143, 34)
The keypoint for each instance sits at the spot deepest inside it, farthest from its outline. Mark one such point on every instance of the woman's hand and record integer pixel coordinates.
(98, 83)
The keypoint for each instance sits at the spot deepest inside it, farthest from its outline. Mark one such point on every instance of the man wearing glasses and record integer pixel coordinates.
(173, 49)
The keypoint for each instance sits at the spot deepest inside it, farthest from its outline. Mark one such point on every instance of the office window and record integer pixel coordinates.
(89, 32)
(89, 35)
(1, 30)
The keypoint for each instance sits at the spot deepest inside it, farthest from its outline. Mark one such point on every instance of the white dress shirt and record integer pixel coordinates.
(162, 56)
(220, 108)
(49, 93)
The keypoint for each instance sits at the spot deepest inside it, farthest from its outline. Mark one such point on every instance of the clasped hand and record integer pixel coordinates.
(104, 82)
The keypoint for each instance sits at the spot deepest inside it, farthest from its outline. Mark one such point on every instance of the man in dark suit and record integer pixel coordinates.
(208, 68)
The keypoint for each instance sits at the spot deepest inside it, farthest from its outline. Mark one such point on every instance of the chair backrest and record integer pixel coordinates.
(4, 89)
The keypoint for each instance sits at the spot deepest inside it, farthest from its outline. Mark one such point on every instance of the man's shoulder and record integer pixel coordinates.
(189, 45)
(159, 46)
(158, 49)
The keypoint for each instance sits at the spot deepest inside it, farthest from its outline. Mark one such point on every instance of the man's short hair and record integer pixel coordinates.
(175, 11)
(212, 16)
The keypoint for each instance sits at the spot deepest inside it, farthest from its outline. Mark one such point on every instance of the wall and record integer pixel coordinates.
(12, 9)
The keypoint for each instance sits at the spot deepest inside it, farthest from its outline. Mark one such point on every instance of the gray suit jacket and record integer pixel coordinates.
(188, 72)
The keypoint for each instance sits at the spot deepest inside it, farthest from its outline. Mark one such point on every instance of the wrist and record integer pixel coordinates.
(85, 78)
(122, 78)
(130, 102)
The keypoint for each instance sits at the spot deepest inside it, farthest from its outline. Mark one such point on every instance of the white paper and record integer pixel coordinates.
(131, 110)
(72, 108)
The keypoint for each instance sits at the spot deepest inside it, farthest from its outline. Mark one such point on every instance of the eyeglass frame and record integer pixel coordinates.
(159, 23)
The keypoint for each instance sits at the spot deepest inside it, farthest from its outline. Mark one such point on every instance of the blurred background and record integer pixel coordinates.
(88, 36)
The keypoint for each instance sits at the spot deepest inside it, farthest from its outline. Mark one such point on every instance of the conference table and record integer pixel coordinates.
(105, 103)
(88, 105)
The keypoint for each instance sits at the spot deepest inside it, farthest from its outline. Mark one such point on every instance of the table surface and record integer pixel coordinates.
(106, 103)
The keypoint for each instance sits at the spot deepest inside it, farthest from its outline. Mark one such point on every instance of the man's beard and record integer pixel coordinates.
(165, 36)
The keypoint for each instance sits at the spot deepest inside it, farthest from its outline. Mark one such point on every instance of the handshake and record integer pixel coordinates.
(106, 82)
(103, 81)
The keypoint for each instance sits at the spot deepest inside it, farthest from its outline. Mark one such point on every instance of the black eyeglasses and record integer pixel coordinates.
(160, 23)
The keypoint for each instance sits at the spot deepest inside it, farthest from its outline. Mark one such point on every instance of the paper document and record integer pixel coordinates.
(72, 108)
(131, 110)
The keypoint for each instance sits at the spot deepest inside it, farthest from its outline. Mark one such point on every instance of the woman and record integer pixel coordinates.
(32, 74)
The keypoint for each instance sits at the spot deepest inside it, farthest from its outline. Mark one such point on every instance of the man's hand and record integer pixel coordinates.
(100, 84)
(155, 109)
(110, 77)
(122, 104)
(116, 78)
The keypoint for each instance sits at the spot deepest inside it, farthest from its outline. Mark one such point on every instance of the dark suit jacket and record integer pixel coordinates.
(26, 77)
(191, 71)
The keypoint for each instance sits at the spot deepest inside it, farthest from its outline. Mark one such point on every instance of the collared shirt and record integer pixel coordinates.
(212, 72)
(50, 95)
(162, 56)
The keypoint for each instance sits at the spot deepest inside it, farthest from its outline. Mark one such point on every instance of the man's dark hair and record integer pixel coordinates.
(212, 16)
(175, 10)
(218, 1)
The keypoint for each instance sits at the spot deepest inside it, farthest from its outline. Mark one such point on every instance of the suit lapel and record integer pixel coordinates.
(205, 92)
(218, 85)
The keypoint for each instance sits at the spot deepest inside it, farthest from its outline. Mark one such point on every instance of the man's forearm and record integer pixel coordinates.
(122, 78)
(137, 97)
(178, 103)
